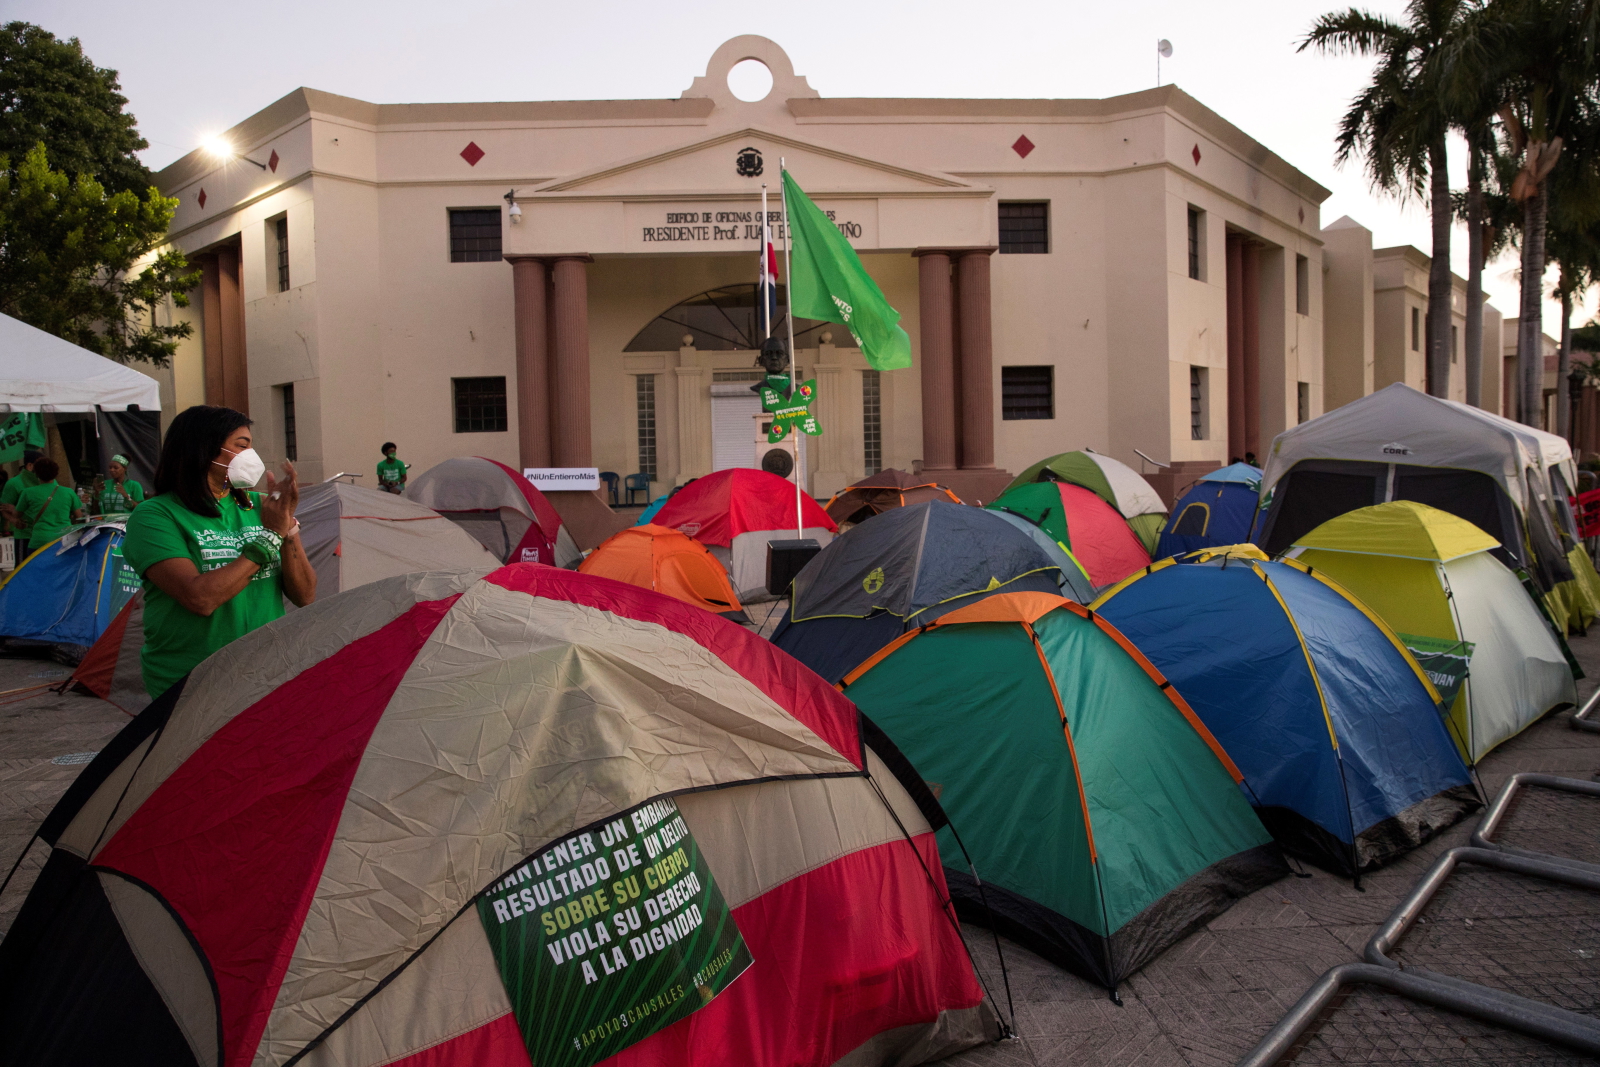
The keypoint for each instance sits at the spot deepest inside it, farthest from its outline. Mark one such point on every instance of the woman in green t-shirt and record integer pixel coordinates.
(216, 560)
(45, 510)
(117, 492)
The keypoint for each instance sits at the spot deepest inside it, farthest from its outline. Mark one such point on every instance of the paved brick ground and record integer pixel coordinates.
(1211, 997)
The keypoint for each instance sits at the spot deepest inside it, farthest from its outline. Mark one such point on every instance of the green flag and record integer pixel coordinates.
(828, 282)
(20, 431)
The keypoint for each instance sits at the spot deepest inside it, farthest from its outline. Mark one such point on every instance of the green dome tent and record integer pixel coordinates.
(1112, 481)
(1104, 818)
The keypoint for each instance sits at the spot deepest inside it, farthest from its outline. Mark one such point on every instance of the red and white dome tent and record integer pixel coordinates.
(449, 819)
(351, 535)
(736, 512)
(494, 503)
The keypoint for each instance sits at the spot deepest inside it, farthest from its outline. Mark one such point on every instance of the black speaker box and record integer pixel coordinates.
(785, 560)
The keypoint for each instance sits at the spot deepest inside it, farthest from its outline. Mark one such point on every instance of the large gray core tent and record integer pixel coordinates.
(1401, 444)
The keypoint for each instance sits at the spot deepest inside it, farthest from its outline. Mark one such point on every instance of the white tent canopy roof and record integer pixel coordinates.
(1399, 424)
(41, 372)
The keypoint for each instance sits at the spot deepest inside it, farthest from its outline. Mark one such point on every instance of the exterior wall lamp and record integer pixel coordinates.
(514, 212)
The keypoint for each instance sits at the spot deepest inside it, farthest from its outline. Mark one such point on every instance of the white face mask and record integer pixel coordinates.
(245, 469)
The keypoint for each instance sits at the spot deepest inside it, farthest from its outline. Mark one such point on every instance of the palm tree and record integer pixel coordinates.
(1538, 58)
(1399, 123)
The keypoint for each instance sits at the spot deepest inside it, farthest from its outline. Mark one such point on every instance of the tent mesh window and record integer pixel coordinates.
(480, 404)
(291, 446)
(475, 235)
(644, 392)
(1025, 228)
(281, 233)
(1193, 520)
(871, 422)
(1027, 393)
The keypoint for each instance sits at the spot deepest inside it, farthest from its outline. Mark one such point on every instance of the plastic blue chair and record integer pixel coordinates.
(637, 483)
(610, 478)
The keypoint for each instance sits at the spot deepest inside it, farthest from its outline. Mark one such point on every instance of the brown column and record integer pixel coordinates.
(235, 376)
(211, 330)
(571, 445)
(1236, 405)
(938, 361)
(977, 362)
(1250, 286)
(529, 313)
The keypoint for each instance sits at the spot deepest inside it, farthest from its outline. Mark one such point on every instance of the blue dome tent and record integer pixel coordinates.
(1338, 733)
(69, 590)
(1217, 510)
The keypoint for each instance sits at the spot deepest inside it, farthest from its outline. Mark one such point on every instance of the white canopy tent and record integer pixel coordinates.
(41, 372)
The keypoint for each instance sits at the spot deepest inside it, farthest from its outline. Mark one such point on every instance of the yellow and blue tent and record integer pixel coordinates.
(68, 590)
(1219, 509)
(1339, 734)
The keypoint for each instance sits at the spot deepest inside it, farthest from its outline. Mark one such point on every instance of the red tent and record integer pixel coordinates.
(529, 817)
(1101, 539)
(738, 511)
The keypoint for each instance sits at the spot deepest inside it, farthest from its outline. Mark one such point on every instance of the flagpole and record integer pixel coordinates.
(761, 268)
(794, 362)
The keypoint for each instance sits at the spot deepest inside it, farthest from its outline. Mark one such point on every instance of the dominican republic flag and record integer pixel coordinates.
(767, 283)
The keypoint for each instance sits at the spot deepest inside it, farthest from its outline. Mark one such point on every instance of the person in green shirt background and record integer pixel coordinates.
(216, 561)
(391, 472)
(46, 510)
(25, 479)
(116, 492)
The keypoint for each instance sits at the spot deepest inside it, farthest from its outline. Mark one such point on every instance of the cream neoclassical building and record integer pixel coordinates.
(1133, 275)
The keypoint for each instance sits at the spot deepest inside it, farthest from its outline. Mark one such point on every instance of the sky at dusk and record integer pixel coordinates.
(191, 69)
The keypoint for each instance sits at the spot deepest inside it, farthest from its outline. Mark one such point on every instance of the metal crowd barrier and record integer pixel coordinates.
(1493, 1006)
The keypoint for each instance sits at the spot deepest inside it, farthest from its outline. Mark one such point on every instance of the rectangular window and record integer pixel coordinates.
(474, 235)
(1027, 393)
(480, 404)
(1416, 330)
(1196, 248)
(1197, 403)
(1455, 337)
(1303, 401)
(644, 392)
(871, 422)
(291, 445)
(1302, 285)
(281, 232)
(1025, 228)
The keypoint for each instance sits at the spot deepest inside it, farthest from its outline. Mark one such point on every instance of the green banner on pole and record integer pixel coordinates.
(611, 935)
(790, 411)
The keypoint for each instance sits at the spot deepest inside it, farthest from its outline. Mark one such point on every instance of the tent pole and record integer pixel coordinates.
(794, 363)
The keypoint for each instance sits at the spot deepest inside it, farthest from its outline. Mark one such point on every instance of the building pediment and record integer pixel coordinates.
(740, 162)
(705, 197)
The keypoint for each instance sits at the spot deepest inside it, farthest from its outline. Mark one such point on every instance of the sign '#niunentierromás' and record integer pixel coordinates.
(611, 935)
(548, 478)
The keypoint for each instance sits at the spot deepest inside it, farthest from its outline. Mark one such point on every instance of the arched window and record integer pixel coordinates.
(723, 320)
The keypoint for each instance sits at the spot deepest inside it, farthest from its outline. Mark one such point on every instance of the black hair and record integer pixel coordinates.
(193, 441)
(45, 469)
(386, 446)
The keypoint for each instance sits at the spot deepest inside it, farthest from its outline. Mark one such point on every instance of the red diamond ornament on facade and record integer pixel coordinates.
(1196, 154)
(472, 153)
(1022, 146)
(202, 199)
(1302, 214)
(272, 161)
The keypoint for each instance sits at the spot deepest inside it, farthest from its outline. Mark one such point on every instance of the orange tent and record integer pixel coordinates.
(662, 559)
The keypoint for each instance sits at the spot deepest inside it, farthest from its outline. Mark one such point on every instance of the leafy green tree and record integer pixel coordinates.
(76, 261)
(51, 92)
(1538, 58)
(1398, 124)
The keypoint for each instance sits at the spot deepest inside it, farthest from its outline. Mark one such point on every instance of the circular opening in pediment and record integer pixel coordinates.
(750, 80)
